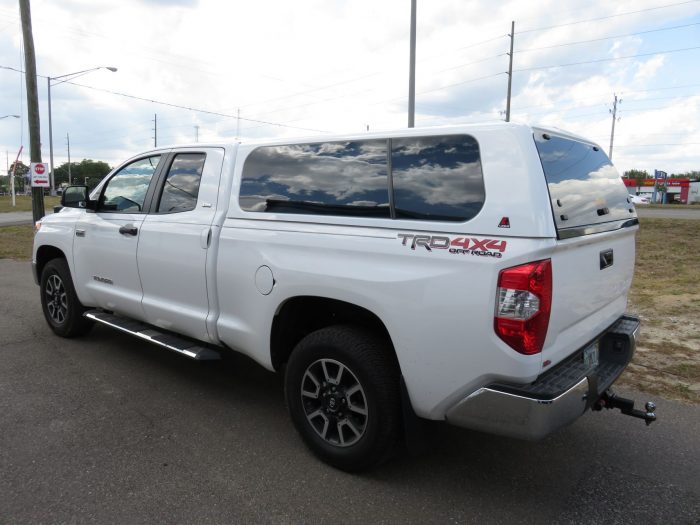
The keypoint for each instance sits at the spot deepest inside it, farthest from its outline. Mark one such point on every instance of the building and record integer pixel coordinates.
(677, 190)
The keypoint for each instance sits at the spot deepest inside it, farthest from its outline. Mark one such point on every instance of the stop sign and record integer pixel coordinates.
(39, 169)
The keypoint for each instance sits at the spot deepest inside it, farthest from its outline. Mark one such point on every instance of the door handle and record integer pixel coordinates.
(128, 229)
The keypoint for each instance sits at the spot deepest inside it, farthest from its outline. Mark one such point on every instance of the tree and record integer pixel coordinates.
(692, 175)
(92, 170)
(21, 170)
(21, 174)
(638, 175)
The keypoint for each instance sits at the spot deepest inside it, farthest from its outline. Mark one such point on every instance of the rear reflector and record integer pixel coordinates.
(523, 302)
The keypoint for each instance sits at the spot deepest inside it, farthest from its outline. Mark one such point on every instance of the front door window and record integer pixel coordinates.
(126, 191)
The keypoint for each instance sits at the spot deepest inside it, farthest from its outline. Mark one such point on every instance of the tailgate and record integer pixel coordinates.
(591, 277)
(593, 261)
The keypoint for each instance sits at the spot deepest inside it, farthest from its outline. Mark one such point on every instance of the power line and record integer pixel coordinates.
(608, 16)
(609, 59)
(607, 38)
(168, 104)
(622, 91)
(189, 108)
(575, 107)
(655, 145)
(471, 63)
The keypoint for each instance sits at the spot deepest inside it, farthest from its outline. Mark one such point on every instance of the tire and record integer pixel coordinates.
(62, 309)
(342, 388)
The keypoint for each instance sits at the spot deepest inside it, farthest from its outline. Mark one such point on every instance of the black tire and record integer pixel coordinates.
(332, 424)
(62, 309)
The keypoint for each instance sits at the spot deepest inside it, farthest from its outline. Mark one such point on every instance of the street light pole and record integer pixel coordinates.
(66, 78)
(53, 188)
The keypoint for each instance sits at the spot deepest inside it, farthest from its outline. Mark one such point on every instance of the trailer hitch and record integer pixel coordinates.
(611, 400)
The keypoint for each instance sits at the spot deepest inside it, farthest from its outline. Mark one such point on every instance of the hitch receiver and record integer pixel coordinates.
(610, 400)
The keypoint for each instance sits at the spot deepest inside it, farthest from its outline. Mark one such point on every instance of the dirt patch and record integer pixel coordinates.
(666, 296)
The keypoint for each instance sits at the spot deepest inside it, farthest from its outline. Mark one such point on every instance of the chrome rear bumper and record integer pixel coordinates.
(535, 410)
(517, 416)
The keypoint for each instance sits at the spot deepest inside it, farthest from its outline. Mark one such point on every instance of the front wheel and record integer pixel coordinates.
(342, 392)
(62, 309)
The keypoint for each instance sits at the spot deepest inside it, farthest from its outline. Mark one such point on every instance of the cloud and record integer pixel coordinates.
(341, 66)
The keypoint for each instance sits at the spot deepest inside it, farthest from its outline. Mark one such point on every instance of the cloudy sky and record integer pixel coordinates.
(311, 67)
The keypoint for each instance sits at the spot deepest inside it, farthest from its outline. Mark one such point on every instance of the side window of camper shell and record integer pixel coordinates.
(436, 178)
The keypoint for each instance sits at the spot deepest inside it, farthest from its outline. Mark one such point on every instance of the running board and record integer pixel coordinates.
(148, 333)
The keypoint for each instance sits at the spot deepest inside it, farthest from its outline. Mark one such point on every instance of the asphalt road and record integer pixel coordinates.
(15, 218)
(108, 429)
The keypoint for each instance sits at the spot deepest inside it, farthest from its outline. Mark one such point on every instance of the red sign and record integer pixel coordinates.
(631, 183)
(40, 175)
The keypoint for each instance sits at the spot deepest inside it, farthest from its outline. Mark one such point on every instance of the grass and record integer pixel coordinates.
(16, 242)
(666, 264)
(24, 203)
(666, 295)
(695, 206)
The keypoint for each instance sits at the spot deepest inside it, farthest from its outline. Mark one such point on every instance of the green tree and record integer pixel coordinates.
(692, 175)
(21, 172)
(638, 175)
(87, 169)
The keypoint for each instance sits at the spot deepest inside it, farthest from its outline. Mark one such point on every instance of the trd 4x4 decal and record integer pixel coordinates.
(457, 245)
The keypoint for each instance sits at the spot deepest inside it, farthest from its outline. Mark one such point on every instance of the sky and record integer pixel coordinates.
(314, 67)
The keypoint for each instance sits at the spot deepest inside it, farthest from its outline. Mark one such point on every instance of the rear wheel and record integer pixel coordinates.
(342, 391)
(62, 309)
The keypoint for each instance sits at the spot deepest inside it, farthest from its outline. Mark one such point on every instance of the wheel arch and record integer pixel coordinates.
(299, 316)
(44, 254)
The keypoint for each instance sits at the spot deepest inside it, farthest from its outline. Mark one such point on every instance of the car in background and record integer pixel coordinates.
(638, 199)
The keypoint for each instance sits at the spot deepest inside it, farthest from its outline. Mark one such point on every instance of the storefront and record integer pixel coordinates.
(676, 189)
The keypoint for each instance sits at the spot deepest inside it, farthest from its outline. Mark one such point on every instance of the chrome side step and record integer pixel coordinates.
(148, 333)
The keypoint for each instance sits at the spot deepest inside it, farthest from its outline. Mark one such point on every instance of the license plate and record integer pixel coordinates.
(590, 356)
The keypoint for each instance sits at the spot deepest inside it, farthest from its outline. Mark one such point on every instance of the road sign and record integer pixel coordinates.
(40, 175)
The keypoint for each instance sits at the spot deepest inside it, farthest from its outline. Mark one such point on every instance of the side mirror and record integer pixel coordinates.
(75, 197)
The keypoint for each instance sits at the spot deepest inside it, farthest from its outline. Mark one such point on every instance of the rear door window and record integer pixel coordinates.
(586, 190)
(181, 186)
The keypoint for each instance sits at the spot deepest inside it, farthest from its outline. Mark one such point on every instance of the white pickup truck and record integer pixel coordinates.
(474, 274)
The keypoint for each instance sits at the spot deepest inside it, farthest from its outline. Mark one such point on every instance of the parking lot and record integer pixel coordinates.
(108, 429)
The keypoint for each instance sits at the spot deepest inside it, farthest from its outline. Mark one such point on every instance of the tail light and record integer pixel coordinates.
(523, 302)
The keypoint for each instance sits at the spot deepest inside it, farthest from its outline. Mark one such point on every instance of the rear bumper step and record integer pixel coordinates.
(178, 344)
(559, 396)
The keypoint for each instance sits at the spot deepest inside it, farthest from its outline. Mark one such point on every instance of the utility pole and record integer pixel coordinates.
(196, 133)
(510, 69)
(238, 122)
(412, 70)
(613, 111)
(68, 143)
(155, 130)
(32, 103)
